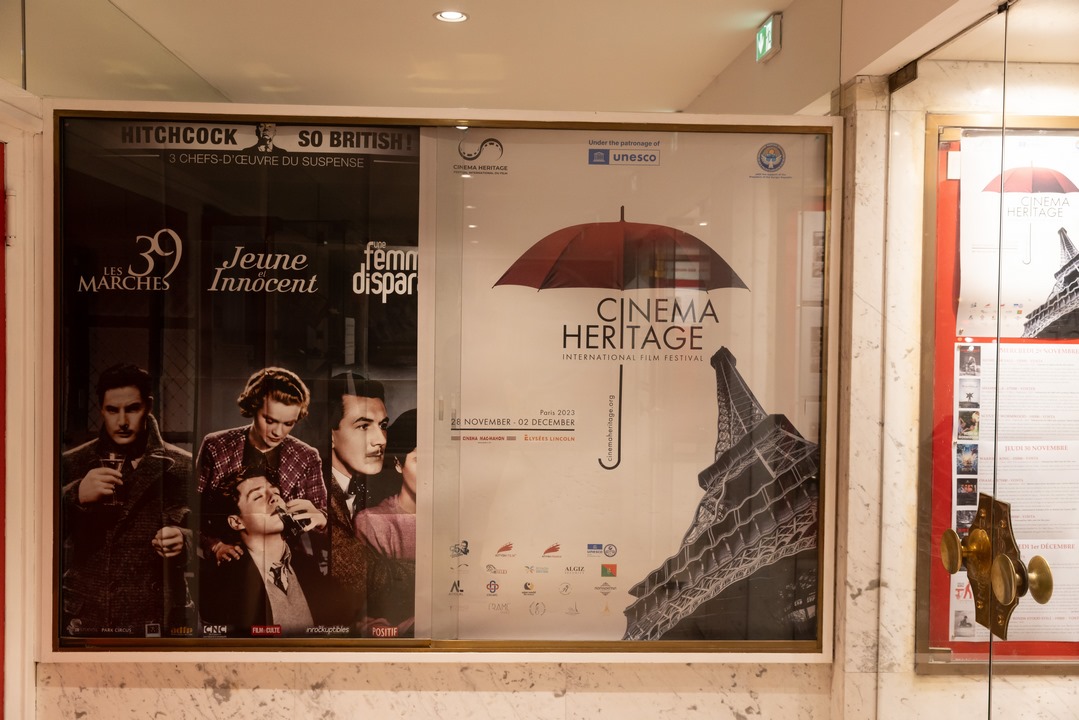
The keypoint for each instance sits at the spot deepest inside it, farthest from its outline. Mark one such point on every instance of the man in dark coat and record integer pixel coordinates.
(124, 511)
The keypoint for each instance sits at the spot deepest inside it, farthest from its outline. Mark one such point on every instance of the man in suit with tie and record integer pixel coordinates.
(358, 439)
(273, 589)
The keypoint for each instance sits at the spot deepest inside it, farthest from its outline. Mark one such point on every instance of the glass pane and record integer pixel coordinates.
(93, 50)
(957, 154)
(1037, 431)
(11, 41)
(998, 417)
(636, 406)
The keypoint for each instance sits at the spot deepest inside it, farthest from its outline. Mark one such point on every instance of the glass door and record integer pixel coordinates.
(1034, 567)
(1001, 308)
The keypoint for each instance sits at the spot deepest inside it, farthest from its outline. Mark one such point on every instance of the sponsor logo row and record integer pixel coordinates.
(528, 587)
(554, 550)
(605, 570)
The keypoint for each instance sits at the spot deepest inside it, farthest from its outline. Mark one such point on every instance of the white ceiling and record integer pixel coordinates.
(610, 55)
(594, 55)
(1037, 31)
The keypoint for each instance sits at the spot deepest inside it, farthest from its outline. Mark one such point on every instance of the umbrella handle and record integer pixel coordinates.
(618, 460)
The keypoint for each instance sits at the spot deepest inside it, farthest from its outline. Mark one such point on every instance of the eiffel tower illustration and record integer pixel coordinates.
(747, 566)
(1057, 316)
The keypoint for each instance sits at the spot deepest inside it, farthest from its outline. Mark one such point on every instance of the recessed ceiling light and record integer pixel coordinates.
(461, 127)
(452, 16)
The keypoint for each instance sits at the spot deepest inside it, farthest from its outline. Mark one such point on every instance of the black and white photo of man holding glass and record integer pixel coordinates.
(124, 513)
(272, 589)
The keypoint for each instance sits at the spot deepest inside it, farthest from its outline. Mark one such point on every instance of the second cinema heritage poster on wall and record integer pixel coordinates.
(636, 417)
(236, 385)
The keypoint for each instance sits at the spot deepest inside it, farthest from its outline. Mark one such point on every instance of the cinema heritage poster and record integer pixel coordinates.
(1007, 406)
(236, 379)
(637, 425)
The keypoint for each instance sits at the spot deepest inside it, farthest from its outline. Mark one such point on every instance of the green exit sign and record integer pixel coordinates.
(768, 37)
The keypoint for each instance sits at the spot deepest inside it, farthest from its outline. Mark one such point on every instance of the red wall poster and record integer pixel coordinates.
(1004, 420)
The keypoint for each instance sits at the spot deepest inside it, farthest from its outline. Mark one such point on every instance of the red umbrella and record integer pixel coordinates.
(1031, 180)
(622, 255)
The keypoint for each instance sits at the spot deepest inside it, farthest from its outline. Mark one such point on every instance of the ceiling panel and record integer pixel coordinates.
(607, 55)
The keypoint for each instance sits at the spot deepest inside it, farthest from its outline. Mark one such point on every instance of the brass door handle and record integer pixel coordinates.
(995, 570)
(974, 550)
(1011, 580)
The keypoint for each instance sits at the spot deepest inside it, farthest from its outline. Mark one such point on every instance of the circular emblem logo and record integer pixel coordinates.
(610, 550)
(565, 588)
(771, 157)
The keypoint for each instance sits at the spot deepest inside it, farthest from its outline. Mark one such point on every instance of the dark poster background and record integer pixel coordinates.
(154, 213)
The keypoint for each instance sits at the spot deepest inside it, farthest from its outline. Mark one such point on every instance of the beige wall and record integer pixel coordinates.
(880, 338)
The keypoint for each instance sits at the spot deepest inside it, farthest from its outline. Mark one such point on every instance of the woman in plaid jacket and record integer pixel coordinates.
(275, 399)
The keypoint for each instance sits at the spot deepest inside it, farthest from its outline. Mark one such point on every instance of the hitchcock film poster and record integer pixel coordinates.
(637, 425)
(237, 379)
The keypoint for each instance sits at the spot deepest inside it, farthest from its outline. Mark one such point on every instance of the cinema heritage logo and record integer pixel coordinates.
(149, 270)
(486, 148)
(649, 324)
(488, 143)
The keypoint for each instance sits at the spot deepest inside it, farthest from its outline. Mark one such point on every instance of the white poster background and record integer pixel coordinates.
(534, 498)
(1028, 456)
(1015, 231)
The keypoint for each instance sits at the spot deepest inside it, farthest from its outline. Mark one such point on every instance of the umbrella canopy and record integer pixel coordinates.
(622, 255)
(1031, 180)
